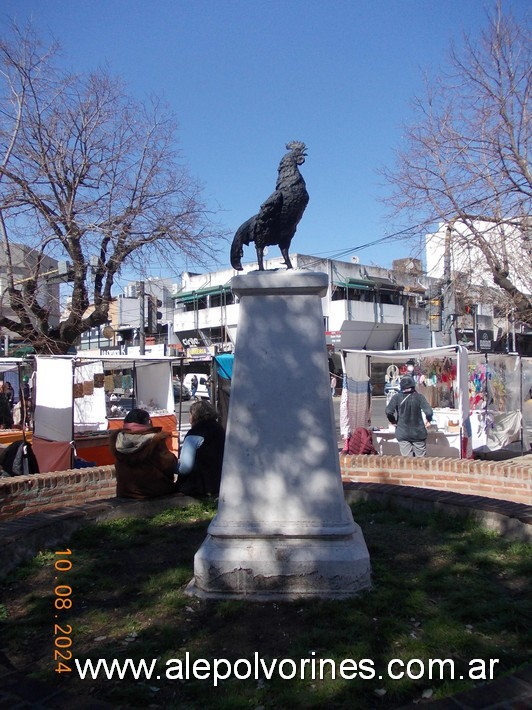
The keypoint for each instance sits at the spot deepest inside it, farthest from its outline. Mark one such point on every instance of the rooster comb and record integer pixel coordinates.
(296, 146)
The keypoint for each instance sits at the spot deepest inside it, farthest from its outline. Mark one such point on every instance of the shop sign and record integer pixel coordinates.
(485, 340)
(113, 350)
(158, 350)
(333, 338)
(191, 339)
(205, 353)
(466, 337)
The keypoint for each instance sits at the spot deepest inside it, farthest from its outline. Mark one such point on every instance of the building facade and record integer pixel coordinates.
(365, 307)
(141, 318)
(23, 263)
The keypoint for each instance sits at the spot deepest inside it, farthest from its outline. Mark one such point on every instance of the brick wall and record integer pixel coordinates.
(24, 495)
(508, 480)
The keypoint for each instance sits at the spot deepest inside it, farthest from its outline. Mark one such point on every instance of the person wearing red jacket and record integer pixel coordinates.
(144, 466)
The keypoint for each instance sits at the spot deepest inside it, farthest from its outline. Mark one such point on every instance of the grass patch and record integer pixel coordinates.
(443, 588)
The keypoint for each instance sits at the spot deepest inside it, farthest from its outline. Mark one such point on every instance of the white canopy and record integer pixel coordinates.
(357, 361)
(404, 355)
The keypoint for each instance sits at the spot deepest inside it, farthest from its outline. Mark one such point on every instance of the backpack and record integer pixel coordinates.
(19, 459)
(361, 442)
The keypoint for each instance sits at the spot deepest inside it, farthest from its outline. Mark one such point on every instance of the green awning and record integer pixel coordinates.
(356, 284)
(23, 350)
(189, 296)
(386, 284)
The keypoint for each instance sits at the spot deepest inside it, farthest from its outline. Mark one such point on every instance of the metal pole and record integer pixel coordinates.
(142, 327)
(447, 291)
(522, 441)
(406, 320)
(180, 399)
(134, 393)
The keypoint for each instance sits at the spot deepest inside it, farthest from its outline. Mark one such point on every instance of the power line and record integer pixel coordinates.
(345, 252)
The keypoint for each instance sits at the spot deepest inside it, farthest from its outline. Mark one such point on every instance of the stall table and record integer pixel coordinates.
(8, 436)
(94, 447)
(439, 443)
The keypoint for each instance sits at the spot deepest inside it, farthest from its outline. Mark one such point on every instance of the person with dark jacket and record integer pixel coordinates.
(201, 457)
(6, 417)
(405, 411)
(144, 466)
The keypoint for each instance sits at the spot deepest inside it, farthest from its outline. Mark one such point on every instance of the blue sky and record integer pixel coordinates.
(245, 76)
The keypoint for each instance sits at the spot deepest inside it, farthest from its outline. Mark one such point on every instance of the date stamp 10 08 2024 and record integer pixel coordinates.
(62, 603)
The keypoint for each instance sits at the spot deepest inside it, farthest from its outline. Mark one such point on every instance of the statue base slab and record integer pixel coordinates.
(281, 569)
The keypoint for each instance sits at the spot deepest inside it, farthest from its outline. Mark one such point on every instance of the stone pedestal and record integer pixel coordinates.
(283, 529)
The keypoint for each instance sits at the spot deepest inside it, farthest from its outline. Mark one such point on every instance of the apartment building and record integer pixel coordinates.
(365, 306)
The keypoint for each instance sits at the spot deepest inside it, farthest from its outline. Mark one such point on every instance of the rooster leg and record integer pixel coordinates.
(284, 252)
(260, 257)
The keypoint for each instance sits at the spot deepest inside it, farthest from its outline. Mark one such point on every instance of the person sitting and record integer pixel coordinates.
(144, 466)
(202, 453)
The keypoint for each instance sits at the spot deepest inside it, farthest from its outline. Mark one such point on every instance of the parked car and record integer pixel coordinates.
(181, 392)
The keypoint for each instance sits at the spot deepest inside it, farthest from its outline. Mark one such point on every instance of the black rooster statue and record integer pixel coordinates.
(279, 215)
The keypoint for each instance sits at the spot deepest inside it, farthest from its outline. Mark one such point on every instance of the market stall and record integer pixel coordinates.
(148, 381)
(11, 370)
(71, 419)
(441, 375)
(498, 397)
(481, 402)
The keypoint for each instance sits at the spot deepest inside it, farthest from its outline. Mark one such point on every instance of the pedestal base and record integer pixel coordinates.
(281, 569)
(283, 529)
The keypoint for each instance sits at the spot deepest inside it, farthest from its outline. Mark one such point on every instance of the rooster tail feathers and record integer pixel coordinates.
(236, 253)
(243, 236)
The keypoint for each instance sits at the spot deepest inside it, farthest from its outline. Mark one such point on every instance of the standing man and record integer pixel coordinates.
(193, 387)
(405, 411)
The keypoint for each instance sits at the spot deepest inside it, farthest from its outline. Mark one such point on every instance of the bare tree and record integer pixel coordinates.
(466, 160)
(87, 176)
